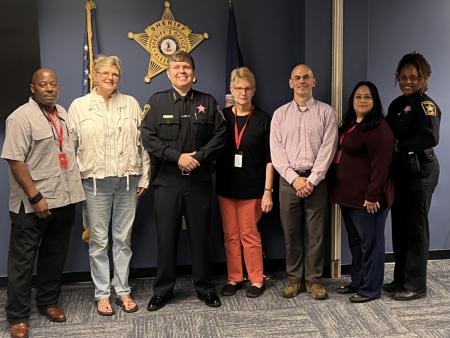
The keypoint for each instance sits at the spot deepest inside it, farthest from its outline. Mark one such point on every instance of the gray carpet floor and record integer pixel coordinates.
(270, 315)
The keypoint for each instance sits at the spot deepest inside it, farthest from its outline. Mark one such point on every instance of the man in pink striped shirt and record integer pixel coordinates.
(303, 142)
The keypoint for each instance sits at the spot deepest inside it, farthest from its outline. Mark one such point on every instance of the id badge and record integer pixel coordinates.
(62, 160)
(238, 158)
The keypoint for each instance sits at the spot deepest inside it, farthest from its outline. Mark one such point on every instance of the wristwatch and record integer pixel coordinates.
(266, 189)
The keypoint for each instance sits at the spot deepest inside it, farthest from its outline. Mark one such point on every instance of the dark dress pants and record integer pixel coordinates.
(303, 222)
(366, 242)
(48, 239)
(410, 226)
(177, 195)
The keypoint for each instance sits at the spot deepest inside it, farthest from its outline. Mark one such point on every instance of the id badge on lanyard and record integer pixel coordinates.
(62, 156)
(238, 159)
(239, 155)
(62, 160)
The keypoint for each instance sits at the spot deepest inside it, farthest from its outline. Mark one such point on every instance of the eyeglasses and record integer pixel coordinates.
(107, 75)
(243, 89)
(298, 78)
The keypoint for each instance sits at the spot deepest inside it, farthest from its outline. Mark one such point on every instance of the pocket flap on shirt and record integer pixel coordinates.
(41, 134)
(41, 174)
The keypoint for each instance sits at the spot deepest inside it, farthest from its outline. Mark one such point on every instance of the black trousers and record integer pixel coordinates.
(410, 226)
(366, 243)
(177, 195)
(48, 239)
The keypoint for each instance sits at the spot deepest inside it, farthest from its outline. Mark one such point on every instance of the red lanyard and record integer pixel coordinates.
(348, 131)
(238, 135)
(60, 133)
(337, 157)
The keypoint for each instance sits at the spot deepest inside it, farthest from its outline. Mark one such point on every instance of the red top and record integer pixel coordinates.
(363, 169)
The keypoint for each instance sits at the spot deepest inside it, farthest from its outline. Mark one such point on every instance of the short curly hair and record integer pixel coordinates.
(420, 62)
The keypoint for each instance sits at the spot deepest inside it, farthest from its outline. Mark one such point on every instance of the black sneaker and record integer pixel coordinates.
(230, 289)
(254, 291)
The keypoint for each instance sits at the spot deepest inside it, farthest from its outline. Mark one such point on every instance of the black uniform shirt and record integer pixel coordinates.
(415, 122)
(174, 124)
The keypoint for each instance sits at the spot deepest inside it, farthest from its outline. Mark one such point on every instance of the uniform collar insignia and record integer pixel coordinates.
(176, 96)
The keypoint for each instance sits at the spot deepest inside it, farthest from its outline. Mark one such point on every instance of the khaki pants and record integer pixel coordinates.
(303, 222)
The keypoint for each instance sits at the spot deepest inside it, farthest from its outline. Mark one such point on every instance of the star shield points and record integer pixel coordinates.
(163, 38)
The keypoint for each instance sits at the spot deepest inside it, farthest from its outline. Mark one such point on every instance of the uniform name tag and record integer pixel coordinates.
(62, 160)
(167, 116)
(238, 159)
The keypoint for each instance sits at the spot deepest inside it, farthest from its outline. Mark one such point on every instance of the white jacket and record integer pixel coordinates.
(88, 124)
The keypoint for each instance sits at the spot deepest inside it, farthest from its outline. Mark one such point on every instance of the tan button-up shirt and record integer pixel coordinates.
(29, 138)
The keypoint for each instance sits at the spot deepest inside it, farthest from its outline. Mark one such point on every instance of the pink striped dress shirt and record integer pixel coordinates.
(303, 138)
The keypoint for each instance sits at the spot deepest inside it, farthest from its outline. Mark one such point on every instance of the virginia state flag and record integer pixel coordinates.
(234, 57)
(90, 48)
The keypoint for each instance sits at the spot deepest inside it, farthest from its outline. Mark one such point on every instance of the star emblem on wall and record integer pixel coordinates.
(163, 38)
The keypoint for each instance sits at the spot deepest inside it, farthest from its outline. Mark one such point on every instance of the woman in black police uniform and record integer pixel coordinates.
(414, 118)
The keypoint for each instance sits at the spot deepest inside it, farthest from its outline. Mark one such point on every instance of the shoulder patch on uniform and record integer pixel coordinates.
(146, 110)
(429, 108)
(221, 112)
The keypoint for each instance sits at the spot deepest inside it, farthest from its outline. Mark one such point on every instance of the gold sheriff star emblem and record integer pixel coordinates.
(163, 38)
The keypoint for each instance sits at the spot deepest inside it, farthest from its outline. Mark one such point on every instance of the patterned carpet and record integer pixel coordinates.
(267, 316)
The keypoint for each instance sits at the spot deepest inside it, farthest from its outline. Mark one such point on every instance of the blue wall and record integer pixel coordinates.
(268, 34)
(399, 27)
(274, 36)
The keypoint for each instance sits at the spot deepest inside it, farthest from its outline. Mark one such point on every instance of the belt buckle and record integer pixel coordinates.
(185, 173)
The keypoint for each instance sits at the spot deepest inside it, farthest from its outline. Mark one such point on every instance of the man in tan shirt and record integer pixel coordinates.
(45, 184)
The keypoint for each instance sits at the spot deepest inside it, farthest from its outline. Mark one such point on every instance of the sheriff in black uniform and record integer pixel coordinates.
(184, 131)
(414, 118)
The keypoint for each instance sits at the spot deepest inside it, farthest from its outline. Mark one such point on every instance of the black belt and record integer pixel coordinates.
(304, 173)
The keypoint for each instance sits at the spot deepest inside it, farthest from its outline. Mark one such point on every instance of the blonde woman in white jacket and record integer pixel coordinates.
(115, 173)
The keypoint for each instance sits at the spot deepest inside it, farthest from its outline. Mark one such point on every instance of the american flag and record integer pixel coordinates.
(90, 48)
(234, 57)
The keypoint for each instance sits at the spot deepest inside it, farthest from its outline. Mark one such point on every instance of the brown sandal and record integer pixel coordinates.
(127, 303)
(104, 307)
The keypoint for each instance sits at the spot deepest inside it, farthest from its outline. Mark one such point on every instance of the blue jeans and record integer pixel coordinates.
(111, 198)
(366, 242)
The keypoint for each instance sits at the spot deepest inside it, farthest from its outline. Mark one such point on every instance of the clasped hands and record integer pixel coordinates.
(187, 163)
(303, 187)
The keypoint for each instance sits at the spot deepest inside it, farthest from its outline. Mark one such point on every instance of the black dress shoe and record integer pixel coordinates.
(230, 289)
(157, 302)
(408, 295)
(254, 291)
(210, 299)
(392, 286)
(346, 289)
(358, 298)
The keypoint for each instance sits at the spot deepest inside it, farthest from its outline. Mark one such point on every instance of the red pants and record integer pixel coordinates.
(239, 218)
